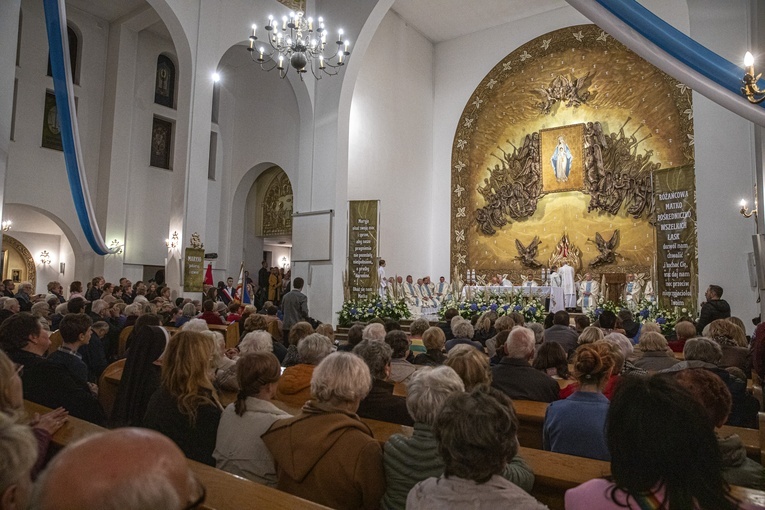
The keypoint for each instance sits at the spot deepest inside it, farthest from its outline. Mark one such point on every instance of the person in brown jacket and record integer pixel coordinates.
(326, 454)
(294, 387)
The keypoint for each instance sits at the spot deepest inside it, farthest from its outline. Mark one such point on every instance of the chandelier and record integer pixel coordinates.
(296, 43)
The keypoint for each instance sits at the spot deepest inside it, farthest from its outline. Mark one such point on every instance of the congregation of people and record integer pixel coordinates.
(287, 406)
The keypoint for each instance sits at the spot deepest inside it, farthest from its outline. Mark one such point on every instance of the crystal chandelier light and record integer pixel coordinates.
(299, 43)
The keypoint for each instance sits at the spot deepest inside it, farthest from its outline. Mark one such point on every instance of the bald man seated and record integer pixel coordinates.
(125, 469)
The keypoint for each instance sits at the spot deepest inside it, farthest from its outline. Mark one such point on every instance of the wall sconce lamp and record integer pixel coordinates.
(6, 225)
(117, 246)
(44, 257)
(284, 262)
(745, 212)
(172, 243)
(750, 88)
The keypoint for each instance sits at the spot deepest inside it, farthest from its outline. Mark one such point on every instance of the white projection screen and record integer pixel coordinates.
(312, 236)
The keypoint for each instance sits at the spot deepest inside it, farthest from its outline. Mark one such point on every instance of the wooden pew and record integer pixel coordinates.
(224, 490)
(554, 473)
(531, 417)
(231, 332)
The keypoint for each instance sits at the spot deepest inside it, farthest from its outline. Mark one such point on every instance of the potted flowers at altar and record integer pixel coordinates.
(530, 307)
(603, 305)
(650, 311)
(367, 309)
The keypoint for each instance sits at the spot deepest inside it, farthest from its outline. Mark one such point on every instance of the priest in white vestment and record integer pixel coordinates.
(428, 291)
(442, 289)
(632, 292)
(529, 282)
(555, 278)
(589, 290)
(411, 292)
(566, 273)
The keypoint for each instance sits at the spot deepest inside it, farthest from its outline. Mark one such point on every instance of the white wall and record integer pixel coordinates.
(391, 144)
(29, 164)
(259, 128)
(724, 165)
(148, 187)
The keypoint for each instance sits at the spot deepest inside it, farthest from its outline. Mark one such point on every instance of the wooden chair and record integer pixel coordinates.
(123, 341)
(107, 388)
(55, 341)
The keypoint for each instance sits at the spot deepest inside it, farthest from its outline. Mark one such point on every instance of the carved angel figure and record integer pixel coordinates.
(527, 255)
(607, 249)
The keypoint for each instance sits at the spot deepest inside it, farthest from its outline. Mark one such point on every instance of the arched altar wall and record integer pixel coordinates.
(621, 118)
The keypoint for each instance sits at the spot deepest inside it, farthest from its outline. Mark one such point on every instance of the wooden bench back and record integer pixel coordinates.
(55, 341)
(230, 332)
(124, 334)
(107, 388)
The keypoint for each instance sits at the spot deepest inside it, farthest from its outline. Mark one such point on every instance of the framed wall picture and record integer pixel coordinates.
(16, 275)
(161, 143)
(51, 129)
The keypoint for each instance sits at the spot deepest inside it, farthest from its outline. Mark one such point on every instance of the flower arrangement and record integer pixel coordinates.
(367, 309)
(505, 303)
(603, 305)
(644, 311)
(650, 311)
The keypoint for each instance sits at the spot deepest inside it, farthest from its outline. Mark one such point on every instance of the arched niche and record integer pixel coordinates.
(18, 264)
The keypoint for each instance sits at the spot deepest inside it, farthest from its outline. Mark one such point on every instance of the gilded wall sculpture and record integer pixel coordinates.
(277, 206)
(555, 152)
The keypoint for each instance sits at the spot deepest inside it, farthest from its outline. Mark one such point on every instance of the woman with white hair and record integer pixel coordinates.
(326, 454)
(409, 460)
(463, 333)
(626, 348)
(188, 312)
(656, 354)
(294, 387)
(256, 341)
(41, 310)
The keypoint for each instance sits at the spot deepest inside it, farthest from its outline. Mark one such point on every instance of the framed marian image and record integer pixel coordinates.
(161, 143)
(562, 158)
(16, 275)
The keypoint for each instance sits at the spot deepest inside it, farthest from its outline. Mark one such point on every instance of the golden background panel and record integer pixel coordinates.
(558, 213)
(573, 138)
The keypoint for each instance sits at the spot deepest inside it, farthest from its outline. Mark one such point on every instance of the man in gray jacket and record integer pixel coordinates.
(294, 308)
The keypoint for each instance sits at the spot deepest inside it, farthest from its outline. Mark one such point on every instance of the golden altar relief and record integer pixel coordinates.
(563, 135)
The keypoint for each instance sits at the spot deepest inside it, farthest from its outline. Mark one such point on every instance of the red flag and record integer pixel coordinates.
(208, 275)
